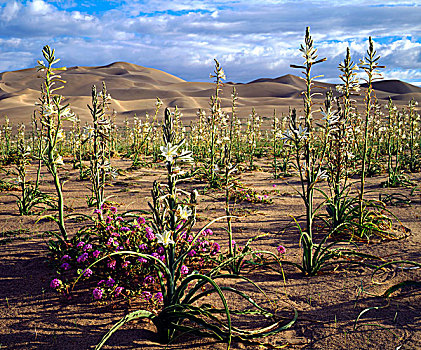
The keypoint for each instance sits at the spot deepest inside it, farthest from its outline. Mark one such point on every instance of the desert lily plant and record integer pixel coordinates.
(394, 148)
(280, 149)
(78, 146)
(30, 196)
(413, 144)
(213, 122)
(52, 114)
(339, 205)
(6, 137)
(143, 133)
(183, 291)
(99, 164)
(310, 151)
(308, 162)
(229, 169)
(253, 133)
(371, 68)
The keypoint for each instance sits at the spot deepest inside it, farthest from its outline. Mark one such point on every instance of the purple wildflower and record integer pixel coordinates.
(184, 270)
(82, 258)
(142, 260)
(149, 280)
(65, 266)
(208, 232)
(97, 293)
(191, 253)
(97, 211)
(147, 295)
(80, 244)
(55, 283)
(87, 246)
(140, 220)
(281, 249)
(65, 257)
(87, 273)
(159, 297)
(149, 233)
(216, 248)
(111, 264)
(124, 229)
(113, 210)
(143, 246)
(125, 264)
(96, 253)
(160, 250)
(118, 291)
(108, 220)
(110, 282)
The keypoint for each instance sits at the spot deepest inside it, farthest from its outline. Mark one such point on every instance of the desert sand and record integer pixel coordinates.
(134, 90)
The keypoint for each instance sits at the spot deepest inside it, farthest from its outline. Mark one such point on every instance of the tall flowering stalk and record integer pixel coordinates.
(52, 114)
(215, 117)
(30, 196)
(143, 134)
(229, 169)
(370, 66)
(308, 160)
(99, 165)
(339, 205)
(395, 129)
(414, 136)
(253, 133)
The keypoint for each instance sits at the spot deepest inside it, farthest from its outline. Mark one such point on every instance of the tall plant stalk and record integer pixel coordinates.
(216, 115)
(309, 170)
(52, 114)
(370, 66)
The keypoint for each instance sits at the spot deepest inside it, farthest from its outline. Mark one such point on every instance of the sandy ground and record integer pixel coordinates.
(34, 317)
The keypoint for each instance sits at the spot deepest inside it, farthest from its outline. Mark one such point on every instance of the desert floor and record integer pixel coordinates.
(33, 316)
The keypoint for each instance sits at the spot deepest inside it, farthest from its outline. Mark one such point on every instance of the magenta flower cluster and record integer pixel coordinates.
(117, 275)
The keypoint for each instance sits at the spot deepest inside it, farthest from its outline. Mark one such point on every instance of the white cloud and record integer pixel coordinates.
(10, 11)
(251, 38)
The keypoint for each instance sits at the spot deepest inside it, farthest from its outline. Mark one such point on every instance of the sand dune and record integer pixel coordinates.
(134, 90)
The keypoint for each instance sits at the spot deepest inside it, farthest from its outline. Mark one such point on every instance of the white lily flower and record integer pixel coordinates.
(169, 151)
(165, 238)
(48, 110)
(59, 160)
(60, 135)
(184, 213)
(322, 175)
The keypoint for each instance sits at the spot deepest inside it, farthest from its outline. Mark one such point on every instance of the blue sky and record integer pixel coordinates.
(251, 38)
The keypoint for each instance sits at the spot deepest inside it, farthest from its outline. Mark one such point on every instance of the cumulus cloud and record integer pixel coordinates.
(251, 38)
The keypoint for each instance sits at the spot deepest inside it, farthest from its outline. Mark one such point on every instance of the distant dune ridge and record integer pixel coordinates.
(134, 90)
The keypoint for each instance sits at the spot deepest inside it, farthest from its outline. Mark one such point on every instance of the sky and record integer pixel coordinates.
(250, 38)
